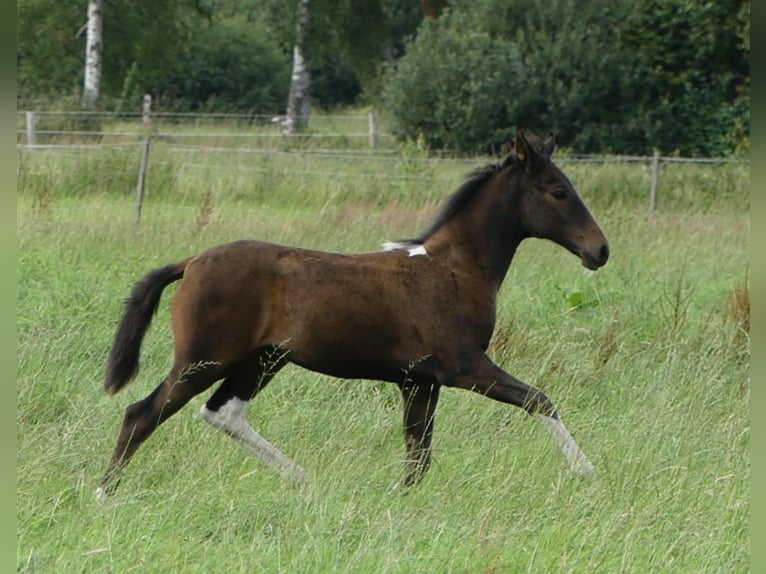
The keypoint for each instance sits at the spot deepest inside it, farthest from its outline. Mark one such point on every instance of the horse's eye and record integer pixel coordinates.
(560, 193)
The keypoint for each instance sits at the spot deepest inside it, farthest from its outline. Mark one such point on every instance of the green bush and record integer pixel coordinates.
(229, 67)
(468, 81)
(608, 77)
(452, 88)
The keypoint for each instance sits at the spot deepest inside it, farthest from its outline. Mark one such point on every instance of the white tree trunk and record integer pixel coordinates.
(93, 50)
(299, 100)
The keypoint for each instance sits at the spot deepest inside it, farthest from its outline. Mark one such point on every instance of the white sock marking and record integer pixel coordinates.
(231, 419)
(575, 457)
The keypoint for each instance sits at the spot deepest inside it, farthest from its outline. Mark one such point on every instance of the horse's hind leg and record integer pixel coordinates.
(419, 402)
(227, 408)
(143, 417)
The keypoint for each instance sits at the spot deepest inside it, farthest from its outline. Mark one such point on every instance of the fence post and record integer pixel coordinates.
(372, 128)
(146, 113)
(31, 119)
(143, 165)
(141, 184)
(655, 182)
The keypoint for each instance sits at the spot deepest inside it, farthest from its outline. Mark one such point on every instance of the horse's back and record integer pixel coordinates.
(358, 315)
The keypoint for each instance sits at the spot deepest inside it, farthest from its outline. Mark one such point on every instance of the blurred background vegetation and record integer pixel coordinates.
(618, 76)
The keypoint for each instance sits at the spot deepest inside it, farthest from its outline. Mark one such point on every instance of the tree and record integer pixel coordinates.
(49, 48)
(233, 65)
(450, 86)
(690, 73)
(619, 77)
(433, 8)
(349, 40)
(299, 99)
(484, 69)
(178, 50)
(93, 49)
(141, 40)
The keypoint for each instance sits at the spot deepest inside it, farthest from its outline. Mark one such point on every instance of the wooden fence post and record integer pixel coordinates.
(31, 119)
(143, 165)
(146, 113)
(372, 129)
(141, 184)
(655, 182)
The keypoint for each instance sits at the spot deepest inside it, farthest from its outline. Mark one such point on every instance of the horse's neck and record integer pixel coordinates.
(481, 241)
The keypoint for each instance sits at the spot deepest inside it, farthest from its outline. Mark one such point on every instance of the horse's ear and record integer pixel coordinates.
(549, 143)
(526, 153)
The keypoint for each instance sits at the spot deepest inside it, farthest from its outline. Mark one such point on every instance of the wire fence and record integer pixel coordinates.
(130, 141)
(35, 127)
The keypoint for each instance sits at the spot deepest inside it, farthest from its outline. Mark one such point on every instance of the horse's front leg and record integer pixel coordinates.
(488, 379)
(419, 403)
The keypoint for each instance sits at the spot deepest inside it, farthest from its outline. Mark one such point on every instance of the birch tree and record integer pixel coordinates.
(299, 98)
(93, 50)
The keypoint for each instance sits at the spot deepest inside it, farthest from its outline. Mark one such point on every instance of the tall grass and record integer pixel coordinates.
(312, 177)
(649, 366)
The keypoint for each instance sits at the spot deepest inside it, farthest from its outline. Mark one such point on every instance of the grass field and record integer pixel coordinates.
(648, 360)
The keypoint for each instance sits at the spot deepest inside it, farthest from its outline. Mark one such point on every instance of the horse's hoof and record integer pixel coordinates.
(294, 474)
(585, 469)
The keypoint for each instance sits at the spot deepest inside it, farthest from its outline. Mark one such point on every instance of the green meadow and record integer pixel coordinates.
(648, 360)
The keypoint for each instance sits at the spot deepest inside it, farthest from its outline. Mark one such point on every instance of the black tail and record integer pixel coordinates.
(140, 307)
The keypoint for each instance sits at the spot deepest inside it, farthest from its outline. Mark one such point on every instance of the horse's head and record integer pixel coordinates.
(549, 205)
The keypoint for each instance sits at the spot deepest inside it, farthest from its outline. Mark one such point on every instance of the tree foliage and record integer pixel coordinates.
(142, 42)
(233, 66)
(194, 54)
(690, 73)
(621, 76)
(608, 76)
(50, 47)
(446, 87)
(348, 41)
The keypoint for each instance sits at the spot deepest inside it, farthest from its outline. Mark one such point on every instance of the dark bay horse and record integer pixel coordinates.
(419, 314)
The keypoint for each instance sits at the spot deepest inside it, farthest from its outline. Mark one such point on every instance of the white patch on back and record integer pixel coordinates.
(412, 249)
(575, 457)
(231, 419)
(392, 246)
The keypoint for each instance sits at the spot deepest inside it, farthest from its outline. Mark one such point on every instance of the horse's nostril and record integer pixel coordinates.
(604, 253)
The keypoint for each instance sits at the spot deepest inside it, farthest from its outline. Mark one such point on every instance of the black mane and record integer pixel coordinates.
(462, 197)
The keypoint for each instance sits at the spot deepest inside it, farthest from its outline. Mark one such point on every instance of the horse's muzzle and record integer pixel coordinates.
(595, 260)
